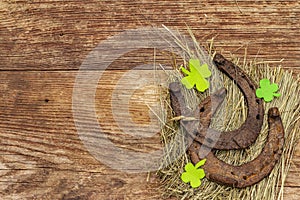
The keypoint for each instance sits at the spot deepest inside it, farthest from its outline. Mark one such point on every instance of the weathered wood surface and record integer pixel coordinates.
(42, 45)
(42, 155)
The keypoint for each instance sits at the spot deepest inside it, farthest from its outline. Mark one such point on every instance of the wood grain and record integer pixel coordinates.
(42, 45)
(41, 151)
(57, 35)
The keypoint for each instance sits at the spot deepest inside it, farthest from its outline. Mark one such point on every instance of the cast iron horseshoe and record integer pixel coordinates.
(251, 172)
(240, 138)
(217, 170)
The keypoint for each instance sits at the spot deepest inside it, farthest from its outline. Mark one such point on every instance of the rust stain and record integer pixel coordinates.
(217, 170)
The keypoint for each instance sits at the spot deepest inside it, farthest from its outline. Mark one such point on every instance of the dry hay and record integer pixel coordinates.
(234, 113)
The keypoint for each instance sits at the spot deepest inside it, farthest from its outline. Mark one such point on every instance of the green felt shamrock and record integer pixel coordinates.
(192, 174)
(196, 75)
(267, 90)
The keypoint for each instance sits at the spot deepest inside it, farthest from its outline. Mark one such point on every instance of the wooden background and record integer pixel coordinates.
(44, 42)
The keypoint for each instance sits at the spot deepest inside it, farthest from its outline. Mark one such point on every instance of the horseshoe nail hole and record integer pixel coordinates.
(257, 116)
(61, 34)
(195, 132)
(252, 87)
(257, 101)
(202, 109)
(232, 173)
(245, 177)
(46, 100)
(209, 140)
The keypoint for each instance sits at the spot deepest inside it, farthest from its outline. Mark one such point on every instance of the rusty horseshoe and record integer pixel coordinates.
(249, 173)
(217, 170)
(247, 133)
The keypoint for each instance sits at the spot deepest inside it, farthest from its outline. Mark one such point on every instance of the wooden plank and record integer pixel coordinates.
(293, 177)
(41, 151)
(58, 35)
(291, 193)
(42, 156)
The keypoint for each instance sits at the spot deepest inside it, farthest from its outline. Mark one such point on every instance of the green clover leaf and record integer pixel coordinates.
(196, 75)
(192, 174)
(267, 90)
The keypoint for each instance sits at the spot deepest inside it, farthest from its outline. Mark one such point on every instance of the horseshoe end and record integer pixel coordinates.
(221, 93)
(219, 59)
(273, 112)
(174, 86)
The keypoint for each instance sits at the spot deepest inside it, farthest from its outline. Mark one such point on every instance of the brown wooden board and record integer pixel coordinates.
(42, 155)
(42, 45)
